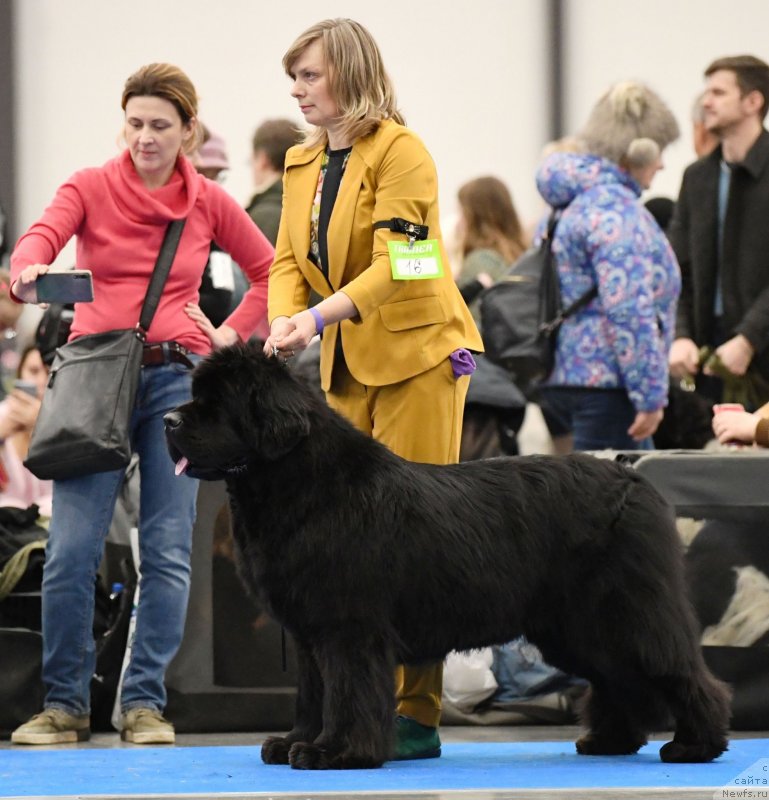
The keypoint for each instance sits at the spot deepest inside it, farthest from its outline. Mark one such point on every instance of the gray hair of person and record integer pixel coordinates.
(358, 81)
(630, 125)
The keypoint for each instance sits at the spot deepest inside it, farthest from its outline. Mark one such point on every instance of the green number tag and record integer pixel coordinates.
(416, 261)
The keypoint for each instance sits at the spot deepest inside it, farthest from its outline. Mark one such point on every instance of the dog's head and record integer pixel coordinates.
(245, 408)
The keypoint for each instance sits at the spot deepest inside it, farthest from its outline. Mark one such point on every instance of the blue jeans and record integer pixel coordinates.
(82, 511)
(597, 418)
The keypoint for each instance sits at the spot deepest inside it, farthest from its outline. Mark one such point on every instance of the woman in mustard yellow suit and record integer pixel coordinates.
(360, 227)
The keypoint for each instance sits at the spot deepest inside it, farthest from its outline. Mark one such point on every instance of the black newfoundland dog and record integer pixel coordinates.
(369, 561)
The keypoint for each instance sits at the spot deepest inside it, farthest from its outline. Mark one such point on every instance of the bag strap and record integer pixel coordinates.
(160, 272)
(555, 215)
(580, 302)
(400, 225)
(552, 325)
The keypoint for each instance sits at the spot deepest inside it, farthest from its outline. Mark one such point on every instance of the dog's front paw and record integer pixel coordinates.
(275, 750)
(591, 745)
(305, 755)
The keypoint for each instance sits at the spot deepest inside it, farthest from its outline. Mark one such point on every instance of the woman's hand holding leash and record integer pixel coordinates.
(275, 347)
(291, 335)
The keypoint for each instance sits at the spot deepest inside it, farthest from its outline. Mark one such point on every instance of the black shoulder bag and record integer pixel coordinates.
(84, 422)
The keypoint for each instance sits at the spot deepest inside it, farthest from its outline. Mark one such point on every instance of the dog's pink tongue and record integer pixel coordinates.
(181, 466)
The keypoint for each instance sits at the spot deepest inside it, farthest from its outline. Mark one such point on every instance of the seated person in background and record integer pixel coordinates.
(268, 157)
(490, 234)
(743, 426)
(19, 488)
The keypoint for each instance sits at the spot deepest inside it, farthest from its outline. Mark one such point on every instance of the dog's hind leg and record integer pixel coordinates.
(681, 691)
(612, 726)
(308, 719)
(701, 706)
(358, 706)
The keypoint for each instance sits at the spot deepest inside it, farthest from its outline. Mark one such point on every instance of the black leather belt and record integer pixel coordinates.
(158, 353)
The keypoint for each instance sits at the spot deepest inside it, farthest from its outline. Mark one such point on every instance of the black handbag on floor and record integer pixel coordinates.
(84, 421)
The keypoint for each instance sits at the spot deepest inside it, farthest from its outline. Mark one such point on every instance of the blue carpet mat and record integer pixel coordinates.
(125, 772)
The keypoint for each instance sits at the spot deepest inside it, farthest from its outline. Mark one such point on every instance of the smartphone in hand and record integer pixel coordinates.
(28, 387)
(71, 286)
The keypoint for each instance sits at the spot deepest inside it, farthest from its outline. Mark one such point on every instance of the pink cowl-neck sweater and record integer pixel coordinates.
(119, 225)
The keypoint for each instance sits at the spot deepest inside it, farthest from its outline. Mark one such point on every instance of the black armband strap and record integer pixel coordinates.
(411, 229)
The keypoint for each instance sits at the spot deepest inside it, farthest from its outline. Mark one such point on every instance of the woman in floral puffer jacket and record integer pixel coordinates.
(610, 380)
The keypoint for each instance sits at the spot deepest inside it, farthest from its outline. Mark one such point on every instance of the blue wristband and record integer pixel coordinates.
(319, 323)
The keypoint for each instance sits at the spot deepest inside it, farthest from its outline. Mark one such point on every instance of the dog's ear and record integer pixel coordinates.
(280, 424)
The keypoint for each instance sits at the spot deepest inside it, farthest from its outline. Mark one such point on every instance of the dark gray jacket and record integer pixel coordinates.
(264, 209)
(745, 274)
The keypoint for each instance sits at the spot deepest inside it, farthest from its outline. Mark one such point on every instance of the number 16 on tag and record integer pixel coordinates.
(416, 260)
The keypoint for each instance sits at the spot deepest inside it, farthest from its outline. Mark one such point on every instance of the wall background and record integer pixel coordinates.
(471, 77)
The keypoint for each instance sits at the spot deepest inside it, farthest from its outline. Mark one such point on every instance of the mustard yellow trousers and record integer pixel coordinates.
(419, 419)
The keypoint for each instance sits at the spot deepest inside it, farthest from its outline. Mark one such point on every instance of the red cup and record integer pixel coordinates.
(719, 407)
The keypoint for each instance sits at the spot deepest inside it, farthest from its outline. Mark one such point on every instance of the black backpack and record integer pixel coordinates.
(521, 313)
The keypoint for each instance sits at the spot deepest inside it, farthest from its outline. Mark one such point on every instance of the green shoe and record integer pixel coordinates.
(53, 726)
(146, 726)
(414, 740)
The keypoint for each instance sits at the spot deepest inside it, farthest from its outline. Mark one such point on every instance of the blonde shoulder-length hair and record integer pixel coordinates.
(358, 81)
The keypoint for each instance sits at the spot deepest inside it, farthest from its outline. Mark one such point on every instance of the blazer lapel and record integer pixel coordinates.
(302, 171)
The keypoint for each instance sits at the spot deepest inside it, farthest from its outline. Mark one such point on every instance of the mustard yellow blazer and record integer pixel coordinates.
(405, 327)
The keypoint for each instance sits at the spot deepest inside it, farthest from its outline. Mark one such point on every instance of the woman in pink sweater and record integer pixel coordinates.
(119, 213)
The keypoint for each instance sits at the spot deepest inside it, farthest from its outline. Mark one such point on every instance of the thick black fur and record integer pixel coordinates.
(370, 561)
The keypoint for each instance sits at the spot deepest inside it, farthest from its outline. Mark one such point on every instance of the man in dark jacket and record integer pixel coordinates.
(720, 232)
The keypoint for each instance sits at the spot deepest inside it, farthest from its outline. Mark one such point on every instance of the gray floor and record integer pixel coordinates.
(449, 733)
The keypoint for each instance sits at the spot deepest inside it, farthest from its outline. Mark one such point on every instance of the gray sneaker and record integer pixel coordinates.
(53, 726)
(146, 726)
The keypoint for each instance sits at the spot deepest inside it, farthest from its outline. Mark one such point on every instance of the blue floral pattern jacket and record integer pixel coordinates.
(606, 237)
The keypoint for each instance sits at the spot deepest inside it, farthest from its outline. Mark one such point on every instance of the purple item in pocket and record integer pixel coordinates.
(462, 362)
